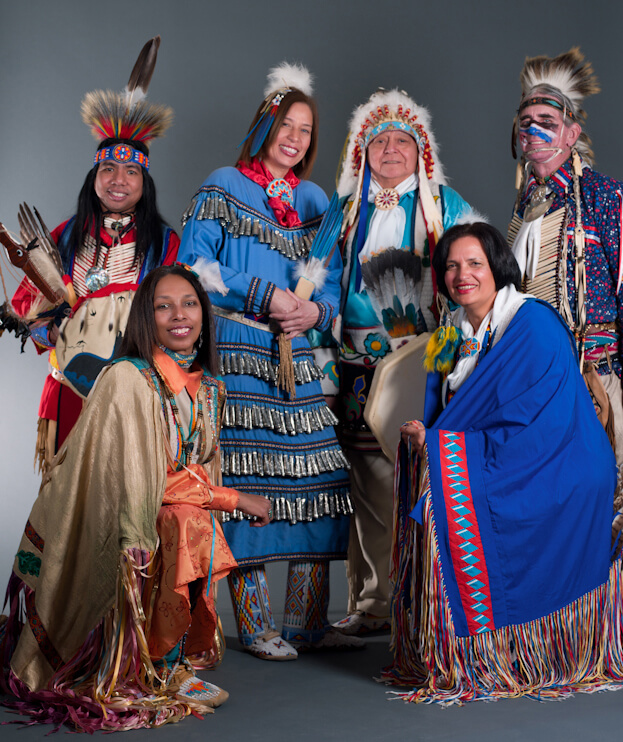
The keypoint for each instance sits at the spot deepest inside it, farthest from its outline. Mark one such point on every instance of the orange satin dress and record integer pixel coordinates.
(192, 545)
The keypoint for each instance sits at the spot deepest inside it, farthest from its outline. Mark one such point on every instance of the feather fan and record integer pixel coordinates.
(39, 259)
(392, 280)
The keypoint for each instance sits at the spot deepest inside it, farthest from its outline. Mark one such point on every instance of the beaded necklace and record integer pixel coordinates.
(183, 360)
(185, 445)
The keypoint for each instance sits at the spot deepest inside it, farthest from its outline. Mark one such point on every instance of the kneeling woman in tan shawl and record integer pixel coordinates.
(113, 581)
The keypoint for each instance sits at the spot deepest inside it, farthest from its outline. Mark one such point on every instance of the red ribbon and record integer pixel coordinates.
(259, 173)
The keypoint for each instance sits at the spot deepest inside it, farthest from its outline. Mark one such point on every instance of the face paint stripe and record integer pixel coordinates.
(537, 131)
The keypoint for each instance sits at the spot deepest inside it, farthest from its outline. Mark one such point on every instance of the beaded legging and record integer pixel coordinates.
(307, 602)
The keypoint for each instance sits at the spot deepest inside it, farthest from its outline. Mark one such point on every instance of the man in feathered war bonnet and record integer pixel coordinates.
(566, 228)
(395, 204)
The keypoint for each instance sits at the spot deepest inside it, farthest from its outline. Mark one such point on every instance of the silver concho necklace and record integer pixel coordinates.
(97, 277)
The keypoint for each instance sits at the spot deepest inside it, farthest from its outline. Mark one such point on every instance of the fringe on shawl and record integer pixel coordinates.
(111, 683)
(578, 648)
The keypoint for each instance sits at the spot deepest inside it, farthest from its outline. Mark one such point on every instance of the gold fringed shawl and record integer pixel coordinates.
(111, 476)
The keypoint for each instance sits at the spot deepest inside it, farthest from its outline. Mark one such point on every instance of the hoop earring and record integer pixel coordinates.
(200, 343)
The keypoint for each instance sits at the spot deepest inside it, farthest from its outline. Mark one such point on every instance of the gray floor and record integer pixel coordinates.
(333, 697)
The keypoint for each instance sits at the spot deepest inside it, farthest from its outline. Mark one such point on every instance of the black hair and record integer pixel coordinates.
(147, 218)
(141, 334)
(499, 256)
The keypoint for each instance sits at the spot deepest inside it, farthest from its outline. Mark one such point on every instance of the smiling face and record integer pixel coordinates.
(545, 139)
(469, 279)
(292, 140)
(118, 186)
(393, 157)
(177, 313)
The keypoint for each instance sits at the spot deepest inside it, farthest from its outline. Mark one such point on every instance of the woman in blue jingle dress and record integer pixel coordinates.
(246, 230)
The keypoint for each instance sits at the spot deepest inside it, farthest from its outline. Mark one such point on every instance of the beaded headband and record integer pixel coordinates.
(537, 100)
(122, 153)
(384, 118)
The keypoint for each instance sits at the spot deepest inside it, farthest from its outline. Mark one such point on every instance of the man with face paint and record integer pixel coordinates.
(566, 228)
(392, 193)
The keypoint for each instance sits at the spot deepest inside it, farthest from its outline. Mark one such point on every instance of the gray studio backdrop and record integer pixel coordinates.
(459, 58)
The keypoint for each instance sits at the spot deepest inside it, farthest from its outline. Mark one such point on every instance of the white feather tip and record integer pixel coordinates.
(287, 75)
(471, 217)
(132, 97)
(313, 270)
(209, 274)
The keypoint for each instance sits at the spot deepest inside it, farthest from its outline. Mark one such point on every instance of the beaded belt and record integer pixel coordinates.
(243, 319)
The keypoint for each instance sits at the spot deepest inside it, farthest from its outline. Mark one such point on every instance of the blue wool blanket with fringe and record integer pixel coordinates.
(522, 478)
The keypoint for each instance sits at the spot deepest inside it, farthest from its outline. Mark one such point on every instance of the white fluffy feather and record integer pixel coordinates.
(471, 217)
(286, 75)
(313, 271)
(210, 276)
(561, 79)
(347, 181)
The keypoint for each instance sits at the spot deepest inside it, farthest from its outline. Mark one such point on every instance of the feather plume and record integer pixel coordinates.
(107, 115)
(313, 270)
(567, 72)
(286, 75)
(209, 274)
(392, 280)
(142, 72)
(261, 130)
(329, 231)
(128, 115)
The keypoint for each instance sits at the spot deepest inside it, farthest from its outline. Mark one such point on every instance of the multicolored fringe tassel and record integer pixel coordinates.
(111, 683)
(577, 648)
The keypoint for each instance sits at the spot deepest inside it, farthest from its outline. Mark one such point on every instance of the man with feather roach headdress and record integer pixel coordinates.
(566, 228)
(104, 251)
(393, 204)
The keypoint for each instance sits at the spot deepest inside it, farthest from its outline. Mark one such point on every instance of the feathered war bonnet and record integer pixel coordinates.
(391, 109)
(281, 80)
(128, 115)
(561, 82)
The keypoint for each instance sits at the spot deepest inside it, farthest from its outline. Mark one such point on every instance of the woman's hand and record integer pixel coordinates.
(256, 505)
(281, 303)
(298, 320)
(415, 433)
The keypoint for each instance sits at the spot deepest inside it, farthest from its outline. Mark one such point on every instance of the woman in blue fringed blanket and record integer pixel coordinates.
(503, 583)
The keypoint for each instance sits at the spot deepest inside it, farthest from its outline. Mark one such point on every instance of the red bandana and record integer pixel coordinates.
(259, 173)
